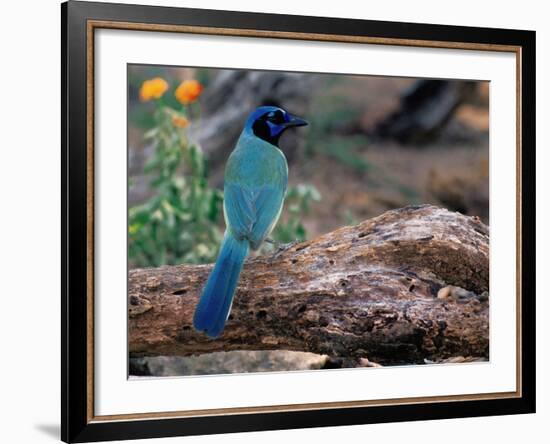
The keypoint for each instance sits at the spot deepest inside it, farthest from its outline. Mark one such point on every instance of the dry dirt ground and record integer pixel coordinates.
(452, 171)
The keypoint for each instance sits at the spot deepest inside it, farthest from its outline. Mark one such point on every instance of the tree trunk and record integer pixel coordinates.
(409, 286)
(424, 110)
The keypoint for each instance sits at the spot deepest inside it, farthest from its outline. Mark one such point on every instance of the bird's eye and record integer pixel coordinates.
(275, 117)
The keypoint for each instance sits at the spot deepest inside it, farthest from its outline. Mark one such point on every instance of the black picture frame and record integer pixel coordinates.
(77, 425)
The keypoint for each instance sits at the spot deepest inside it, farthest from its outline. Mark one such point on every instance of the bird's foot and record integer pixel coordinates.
(284, 247)
(281, 248)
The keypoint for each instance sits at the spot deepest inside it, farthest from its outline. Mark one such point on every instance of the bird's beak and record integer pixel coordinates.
(295, 121)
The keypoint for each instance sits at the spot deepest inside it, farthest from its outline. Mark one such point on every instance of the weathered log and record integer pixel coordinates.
(409, 286)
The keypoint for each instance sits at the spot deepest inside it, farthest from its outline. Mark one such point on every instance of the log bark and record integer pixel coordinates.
(409, 286)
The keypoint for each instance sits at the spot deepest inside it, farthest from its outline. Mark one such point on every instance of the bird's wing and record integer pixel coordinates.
(240, 213)
(268, 204)
(252, 212)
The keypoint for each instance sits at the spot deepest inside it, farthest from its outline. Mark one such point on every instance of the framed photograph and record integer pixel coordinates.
(275, 221)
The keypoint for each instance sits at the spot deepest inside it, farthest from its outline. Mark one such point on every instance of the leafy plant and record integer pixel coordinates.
(180, 223)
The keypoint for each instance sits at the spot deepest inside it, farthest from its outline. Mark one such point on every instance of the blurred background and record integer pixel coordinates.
(373, 144)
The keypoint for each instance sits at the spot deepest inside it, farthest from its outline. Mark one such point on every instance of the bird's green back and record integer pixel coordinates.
(255, 162)
(255, 184)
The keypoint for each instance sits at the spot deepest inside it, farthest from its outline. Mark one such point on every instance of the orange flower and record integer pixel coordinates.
(180, 121)
(153, 89)
(188, 91)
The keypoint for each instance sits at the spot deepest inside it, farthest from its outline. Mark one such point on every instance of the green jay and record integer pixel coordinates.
(256, 176)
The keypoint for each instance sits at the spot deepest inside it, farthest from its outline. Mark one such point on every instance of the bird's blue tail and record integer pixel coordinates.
(213, 308)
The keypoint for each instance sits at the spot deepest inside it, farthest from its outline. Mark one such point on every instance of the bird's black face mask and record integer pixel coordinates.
(271, 125)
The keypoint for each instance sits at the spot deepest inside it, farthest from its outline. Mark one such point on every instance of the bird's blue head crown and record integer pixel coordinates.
(269, 122)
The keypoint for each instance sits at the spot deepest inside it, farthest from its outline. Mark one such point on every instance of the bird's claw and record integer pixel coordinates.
(281, 248)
